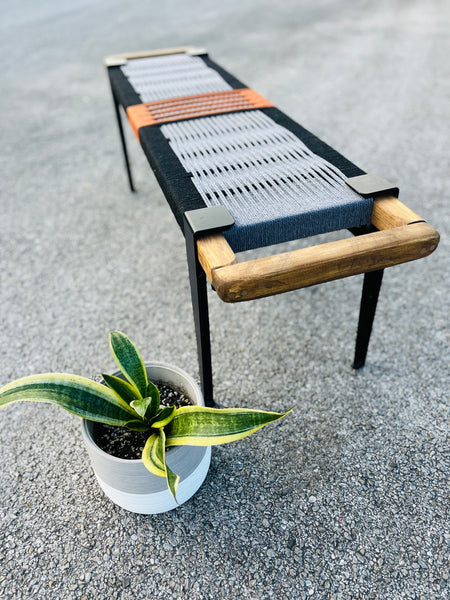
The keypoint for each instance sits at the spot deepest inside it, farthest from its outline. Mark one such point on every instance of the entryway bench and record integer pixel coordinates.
(239, 174)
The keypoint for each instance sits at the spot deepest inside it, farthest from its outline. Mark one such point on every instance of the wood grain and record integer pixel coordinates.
(308, 266)
(389, 212)
(213, 253)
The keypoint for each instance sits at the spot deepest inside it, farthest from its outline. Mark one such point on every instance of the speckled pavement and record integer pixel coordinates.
(347, 498)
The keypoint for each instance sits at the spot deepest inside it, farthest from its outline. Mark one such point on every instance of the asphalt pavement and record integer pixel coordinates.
(347, 497)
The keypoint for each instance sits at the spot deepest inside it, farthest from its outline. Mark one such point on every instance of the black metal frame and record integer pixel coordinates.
(122, 139)
(202, 222)
(369, 299)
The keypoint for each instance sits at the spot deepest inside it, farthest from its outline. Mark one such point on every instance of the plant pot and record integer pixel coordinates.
(128, 483)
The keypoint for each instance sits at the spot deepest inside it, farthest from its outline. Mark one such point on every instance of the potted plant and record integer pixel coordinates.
(173, 430)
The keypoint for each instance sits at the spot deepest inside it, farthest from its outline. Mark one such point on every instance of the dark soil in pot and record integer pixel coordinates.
(123, 443)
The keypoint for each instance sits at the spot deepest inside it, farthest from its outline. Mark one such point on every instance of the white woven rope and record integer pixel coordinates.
(256, 168)
(175, 75)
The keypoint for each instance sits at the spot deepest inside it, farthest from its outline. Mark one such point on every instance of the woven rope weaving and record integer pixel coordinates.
(162, 77)
(263, 174)
(188, 107)
(277, 180)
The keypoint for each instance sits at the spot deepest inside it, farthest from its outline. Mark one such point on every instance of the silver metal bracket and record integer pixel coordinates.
(114, 61)
(370, 185)
(197, 51)
(211, 219)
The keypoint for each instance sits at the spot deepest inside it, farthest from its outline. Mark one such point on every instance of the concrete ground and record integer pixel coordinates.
(346, 498)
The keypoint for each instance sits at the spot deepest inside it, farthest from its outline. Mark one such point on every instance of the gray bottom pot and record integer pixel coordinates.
(128, 483)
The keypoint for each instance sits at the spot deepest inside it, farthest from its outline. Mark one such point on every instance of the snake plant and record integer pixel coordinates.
(134, 403)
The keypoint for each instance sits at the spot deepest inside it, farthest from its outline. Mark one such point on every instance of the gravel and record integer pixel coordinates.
(345, 498)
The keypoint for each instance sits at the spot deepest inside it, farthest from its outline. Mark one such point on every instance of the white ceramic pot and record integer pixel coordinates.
(128, 483)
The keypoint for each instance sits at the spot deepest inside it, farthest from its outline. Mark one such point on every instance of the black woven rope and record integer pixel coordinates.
(315, 144)
(175, 182)
(122, 88)
(228, 77)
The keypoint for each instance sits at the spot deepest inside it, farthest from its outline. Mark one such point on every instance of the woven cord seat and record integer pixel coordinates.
(239, 174)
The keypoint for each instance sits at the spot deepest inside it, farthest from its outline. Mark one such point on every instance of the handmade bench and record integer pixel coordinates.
(239, 174)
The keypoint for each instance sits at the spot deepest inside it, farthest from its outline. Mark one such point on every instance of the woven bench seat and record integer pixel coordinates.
(276, 187)
(239, 174)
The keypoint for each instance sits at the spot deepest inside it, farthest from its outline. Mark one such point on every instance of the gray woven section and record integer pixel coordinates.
(172, 76)
(273, 185)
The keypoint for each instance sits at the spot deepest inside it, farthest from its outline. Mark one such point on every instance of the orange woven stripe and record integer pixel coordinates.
(188, 107)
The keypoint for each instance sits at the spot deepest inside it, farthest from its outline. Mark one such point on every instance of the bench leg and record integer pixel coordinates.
(369, 299)
(122, 139)
(197, 279)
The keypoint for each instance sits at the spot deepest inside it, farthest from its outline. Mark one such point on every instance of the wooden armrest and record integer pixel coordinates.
(403, 237)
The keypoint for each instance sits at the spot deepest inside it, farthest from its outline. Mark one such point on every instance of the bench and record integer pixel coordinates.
(239, 174)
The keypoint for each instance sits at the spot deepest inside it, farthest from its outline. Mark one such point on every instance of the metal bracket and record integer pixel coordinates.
(370, 185)
(211, 219)
(114, 61)
(197, 51)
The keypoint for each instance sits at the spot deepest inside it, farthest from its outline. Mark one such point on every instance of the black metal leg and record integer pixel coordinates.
(369, 299)
(197, 279)
(122, 139)
(204, 221)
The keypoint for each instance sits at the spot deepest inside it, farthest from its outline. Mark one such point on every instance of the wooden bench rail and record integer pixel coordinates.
(389, 212)
(115, 60)
(403, 237)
